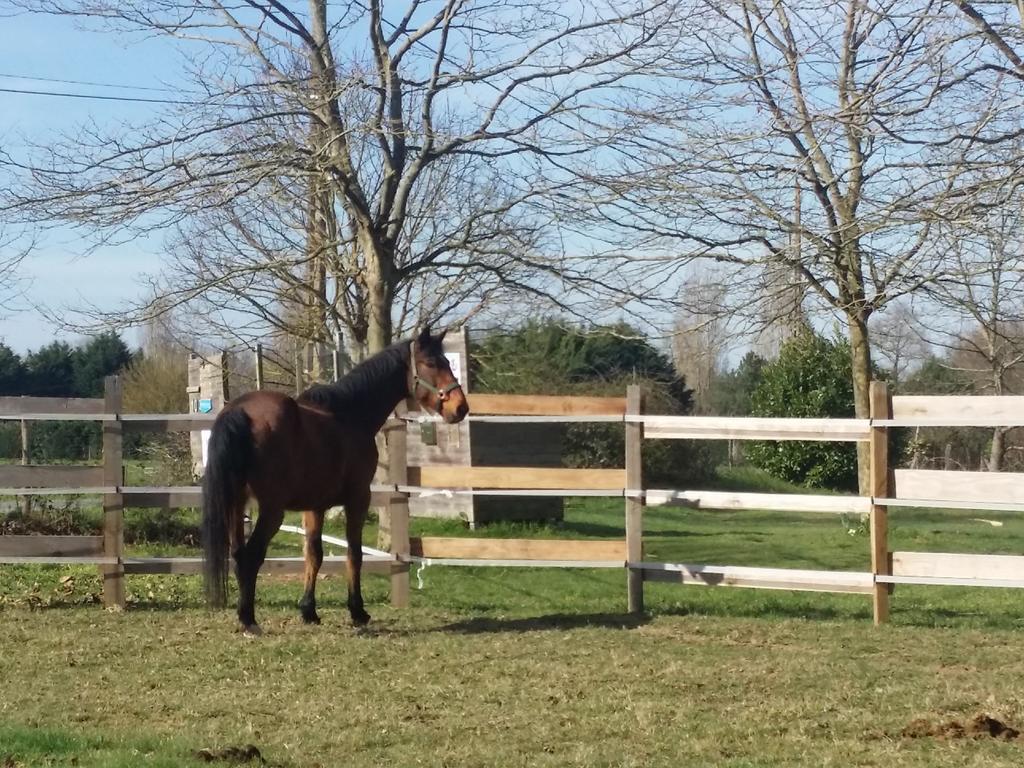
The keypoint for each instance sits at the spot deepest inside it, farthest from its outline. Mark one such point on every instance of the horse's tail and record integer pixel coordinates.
(228, 455)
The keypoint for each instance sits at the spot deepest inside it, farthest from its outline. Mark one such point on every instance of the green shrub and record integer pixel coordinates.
(811, 378)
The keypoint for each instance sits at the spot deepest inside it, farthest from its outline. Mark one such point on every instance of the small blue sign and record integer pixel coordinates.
(206, 406)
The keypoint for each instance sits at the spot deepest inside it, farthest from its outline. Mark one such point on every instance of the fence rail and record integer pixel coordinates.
(912, 488)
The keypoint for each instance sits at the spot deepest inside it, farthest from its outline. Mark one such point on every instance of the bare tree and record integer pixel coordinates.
(276, 278)
(1001, 26)
(14, 249)
(700, 338)
(818, 139)
(897, 340)
(977, 313)
(418, 140)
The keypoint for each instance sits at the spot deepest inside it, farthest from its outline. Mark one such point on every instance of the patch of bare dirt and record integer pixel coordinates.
(246, 754)
(981, 726)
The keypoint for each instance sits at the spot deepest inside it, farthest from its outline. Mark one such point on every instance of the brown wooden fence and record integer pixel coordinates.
(517, 481)
(106, 480)
(907, 488)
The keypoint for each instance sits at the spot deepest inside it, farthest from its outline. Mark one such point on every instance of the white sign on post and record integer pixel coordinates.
(455, 361)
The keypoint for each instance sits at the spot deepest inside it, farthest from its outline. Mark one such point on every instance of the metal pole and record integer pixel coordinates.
(259, 366)
(336, 356)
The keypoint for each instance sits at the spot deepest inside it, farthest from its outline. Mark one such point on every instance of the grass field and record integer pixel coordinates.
(524, 667)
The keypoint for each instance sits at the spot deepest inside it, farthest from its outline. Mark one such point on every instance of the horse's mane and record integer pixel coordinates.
(361, 383)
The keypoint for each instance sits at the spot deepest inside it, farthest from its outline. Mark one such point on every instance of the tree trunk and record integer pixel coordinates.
(915, 456)
(860, 358)
(321, 245)
(380, 291)
(379, 331)
(998, 450)
(380, 297)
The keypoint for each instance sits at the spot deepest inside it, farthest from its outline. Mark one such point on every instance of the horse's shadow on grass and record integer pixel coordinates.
(776, 611)
(612, 532)
(556, 621)
(570, 621)
(932, 618)
(599, 530)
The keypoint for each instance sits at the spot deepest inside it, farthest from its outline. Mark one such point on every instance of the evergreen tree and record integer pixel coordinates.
(59, 370)
(733, 391)
(100, 357)
(12, 382)
(12, 372)
(51, 371)
(551, 357)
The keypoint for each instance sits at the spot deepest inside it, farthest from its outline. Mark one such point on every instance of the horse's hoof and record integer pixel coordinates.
(251, 630)
(360, 618)
(311, 618)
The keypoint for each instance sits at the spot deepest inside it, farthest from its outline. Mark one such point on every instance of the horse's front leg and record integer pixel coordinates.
(313, 550)
(355, 515)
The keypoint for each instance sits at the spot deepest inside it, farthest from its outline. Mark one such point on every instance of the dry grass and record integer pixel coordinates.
(430, 686)
(509, 667)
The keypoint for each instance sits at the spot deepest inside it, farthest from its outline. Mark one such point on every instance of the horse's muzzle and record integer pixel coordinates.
(456, 411)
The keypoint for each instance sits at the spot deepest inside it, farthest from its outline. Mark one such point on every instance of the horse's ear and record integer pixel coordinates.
(424, 336)
(440, 336)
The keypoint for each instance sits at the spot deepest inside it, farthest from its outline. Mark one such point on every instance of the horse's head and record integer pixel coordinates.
(433, 384)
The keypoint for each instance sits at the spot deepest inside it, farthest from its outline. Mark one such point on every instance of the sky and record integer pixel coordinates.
(36, 52)
(44, 53)
(59, 273)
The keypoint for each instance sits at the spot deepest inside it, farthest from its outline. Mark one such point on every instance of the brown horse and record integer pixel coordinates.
(309, 454)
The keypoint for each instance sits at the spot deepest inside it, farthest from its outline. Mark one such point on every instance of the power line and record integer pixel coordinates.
(87, 82)
(131, 99)
(101, 97)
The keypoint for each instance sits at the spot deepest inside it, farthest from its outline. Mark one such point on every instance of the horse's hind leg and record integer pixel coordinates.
(248, 560)
(236, 530)
(313, 550)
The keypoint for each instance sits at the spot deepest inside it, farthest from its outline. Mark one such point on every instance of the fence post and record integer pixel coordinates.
(634, 506)
(113, 503)
(880, 408)
(398, 509)
(26, 459)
